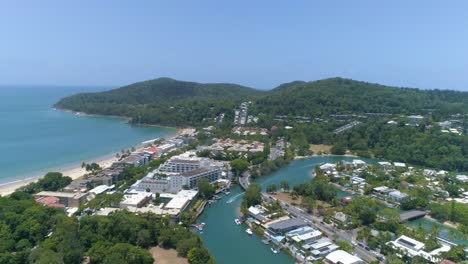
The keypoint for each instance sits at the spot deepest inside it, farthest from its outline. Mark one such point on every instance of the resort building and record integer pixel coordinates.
(136, 199)
(65, 198)
(342, 257)
(50, 201)
(179, 172)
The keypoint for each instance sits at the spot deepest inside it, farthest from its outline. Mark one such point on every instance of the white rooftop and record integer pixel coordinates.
(343, 257)
(307, 236)
(399, 164)
(101, 188)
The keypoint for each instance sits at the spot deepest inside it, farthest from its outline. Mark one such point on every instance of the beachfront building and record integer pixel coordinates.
(412, 248)
(66, 198)
(342, 257)
(136, 199)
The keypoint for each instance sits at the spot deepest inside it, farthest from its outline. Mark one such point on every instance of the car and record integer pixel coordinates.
(353, 243)
(367, 248)
(381, 258)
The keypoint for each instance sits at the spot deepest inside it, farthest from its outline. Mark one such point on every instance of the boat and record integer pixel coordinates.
(249, 231)
(266, 241)
(238, 222)
(274, 250)
(227, 192)
(201, 226)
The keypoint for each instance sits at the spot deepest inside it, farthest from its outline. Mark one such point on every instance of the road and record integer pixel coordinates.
(329, 230)
(316, 221)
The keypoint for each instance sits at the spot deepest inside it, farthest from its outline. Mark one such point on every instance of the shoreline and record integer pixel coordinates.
(73, 169)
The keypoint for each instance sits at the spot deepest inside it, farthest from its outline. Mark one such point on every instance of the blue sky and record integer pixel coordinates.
(256, 43)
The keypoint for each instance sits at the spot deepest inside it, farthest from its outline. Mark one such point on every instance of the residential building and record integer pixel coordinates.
(320, 248)
(66, 198)
(284, 226)
(397, 195)
(342, 257)
(136, 199)
(413, 248)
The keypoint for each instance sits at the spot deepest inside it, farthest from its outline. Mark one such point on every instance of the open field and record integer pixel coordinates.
(320, 149)
(166, 256)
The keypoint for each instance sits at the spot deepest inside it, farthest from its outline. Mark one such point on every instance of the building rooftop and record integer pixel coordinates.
(101, 188)
(75, 195)
(343, 257)
(287, 223)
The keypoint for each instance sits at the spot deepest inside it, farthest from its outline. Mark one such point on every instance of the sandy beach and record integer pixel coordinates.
(74, 171)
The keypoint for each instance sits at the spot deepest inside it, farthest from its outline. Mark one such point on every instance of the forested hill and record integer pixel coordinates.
(344, 96)
(170, 102)
(162, 101)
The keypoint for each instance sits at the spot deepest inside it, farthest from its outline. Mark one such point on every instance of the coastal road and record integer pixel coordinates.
(329, 230)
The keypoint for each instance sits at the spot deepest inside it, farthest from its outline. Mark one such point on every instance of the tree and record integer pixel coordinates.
(200, 256)
(252, 196)
(238, 166)
(456, 253)
(45, 256)
(345, 246)
(284, 185)
(93, 167)
(271, 188)
(205, 188)
(338, 149)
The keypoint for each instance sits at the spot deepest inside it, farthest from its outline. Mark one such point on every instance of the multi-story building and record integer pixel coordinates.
(179, 172)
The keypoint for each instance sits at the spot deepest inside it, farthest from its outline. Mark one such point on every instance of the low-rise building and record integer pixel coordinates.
(342, 257)
(412, 248)
(136, 199)
(284, 226)
(320, 248)
(66, 198)
(397, 195)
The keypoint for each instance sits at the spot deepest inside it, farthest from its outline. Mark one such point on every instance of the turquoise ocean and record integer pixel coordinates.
(35, 138)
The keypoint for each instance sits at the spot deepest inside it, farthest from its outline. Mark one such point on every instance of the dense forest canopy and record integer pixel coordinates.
(162, 101)
(345, 96)
(170, 102)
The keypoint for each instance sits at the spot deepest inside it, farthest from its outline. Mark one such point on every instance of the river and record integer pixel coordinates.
(229, 243)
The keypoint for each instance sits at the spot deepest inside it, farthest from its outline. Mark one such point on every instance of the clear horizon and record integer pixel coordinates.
(417, 44)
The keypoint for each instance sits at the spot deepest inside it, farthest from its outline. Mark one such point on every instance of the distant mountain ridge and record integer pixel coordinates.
(171, 102)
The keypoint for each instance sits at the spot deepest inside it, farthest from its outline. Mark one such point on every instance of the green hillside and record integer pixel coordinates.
(345, 96)
(162, 101)
(166, 101)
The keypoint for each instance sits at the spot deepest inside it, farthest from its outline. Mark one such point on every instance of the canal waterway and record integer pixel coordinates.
(229, 243)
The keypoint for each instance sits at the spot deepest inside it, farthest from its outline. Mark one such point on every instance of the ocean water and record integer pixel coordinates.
(35, 138)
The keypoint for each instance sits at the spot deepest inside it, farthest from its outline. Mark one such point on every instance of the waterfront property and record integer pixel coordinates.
(342, 257)
(283, 226)
(413, 248)
(66, 198)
